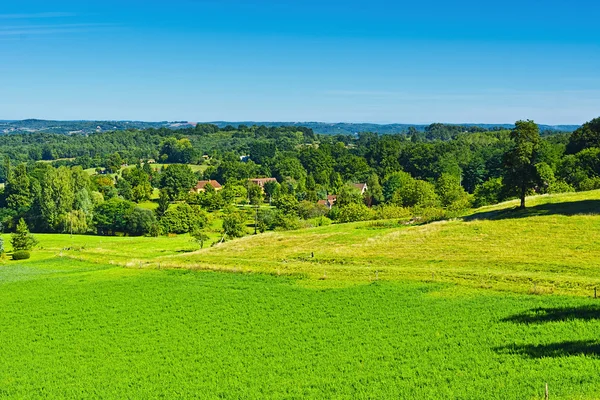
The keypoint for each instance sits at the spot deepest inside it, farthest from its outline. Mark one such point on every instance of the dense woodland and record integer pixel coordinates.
(106, 183)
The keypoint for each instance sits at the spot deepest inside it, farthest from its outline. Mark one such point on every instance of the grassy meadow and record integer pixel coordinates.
(494, 306)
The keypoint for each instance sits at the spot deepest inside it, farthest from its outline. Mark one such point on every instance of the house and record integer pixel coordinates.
(331, 199)
(261, 181)
(201, 184)
(362, 187)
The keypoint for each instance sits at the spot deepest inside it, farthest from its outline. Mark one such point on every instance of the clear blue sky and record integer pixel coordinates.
(355, 61)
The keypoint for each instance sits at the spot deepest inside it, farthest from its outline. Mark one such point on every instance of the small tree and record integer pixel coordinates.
(22, 239)
(163, 203)
(200, 237)
(234, 224)
(255, 194)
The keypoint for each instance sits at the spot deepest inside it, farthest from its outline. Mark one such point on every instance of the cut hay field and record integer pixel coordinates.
(492, 306)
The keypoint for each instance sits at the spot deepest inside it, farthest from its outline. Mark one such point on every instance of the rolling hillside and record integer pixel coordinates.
(552, 247)
(381, 311)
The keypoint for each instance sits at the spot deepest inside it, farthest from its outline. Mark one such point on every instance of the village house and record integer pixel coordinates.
(331, 199)
(362, 187)
(201, 184)
(261, 181)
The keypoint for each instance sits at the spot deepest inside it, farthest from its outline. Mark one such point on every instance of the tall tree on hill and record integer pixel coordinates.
(520, 172)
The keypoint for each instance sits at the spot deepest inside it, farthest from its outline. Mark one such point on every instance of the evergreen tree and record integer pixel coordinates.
(22, 239)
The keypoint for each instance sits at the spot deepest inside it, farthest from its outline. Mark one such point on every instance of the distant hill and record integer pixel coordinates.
(346, 128)
(343, 128)
(81, 127)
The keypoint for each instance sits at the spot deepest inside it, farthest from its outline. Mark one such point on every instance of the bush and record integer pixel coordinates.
(21, 255)
(141, 222)
(183, 218)
(560, 187)
(389, 211)
(590, 184)
(489, 192)
(355, 212)
(309, 210)
(287, 222)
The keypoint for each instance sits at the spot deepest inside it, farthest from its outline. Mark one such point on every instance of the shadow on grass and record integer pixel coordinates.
(568, 208)
(543, 315)
(588, 348)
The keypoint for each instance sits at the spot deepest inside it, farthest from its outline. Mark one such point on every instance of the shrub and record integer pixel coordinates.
(309, 210)
(560, 187)
(21, 255)
(489, 192)
(286, 222)
(390, 211)
(590, 184)
(183, 218)
(355, 212)
(141, 222)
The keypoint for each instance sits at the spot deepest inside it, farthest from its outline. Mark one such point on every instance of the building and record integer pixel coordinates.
(201, 184)
(362, 187)
(261, 181)
(331, 199)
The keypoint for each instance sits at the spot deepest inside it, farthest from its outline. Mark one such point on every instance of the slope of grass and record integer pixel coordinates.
(71, 329)
(552, 247)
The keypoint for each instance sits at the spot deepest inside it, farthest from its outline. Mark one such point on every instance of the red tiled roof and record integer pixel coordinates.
(213, 183)
(262, 181)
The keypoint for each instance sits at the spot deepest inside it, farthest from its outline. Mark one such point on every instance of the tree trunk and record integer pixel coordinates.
(523, 192)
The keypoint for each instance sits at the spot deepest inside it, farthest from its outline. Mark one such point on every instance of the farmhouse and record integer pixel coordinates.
(261, 181)
(331, 199)
(362, 187)
(201, 184)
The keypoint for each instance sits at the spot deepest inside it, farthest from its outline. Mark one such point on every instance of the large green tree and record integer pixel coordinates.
(177, 180)
(520, 172)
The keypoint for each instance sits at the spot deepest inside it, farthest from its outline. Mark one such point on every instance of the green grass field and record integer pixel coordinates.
(492, 306)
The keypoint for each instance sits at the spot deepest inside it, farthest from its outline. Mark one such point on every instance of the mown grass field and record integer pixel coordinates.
(450, 313)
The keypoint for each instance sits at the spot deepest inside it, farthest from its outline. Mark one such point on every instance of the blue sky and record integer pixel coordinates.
(354, 61)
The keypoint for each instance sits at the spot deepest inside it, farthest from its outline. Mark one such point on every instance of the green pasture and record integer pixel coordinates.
(493, 305)
(74, 329)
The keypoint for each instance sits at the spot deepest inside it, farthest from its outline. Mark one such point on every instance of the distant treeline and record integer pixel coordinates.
(88, 127)
(440, 171)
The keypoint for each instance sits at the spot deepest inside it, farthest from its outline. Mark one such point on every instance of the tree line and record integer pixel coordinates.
(106, 183)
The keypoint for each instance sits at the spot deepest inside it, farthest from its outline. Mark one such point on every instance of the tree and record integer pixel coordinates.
(348, 194)
(489, 192)
(287, 203)
(200, 237)
(183, 218)
(163, 203)
(17, 192)
(450, 191)
(177, 180)
(255, 194)
(585, 137)
(520, 173)
(140, 222)
(22, 239)
(272, 189)
(374, 194)
(234, 224)
(113, 216)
